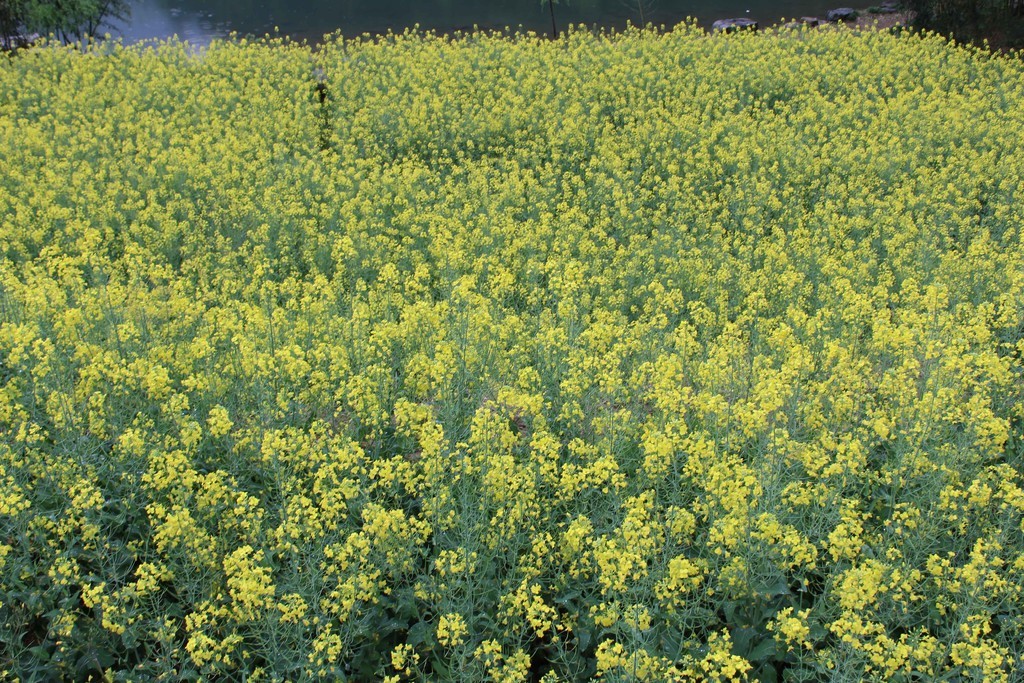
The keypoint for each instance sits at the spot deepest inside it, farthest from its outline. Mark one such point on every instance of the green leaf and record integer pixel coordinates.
(94, 660)
(763, 651)
(778, 587)
(567, 598)
(389, 626)
(730, 609)
(672, 642)
(766, 673)
(583, 638)
(742, 640)
(441, 669)
(422, 632)
(41, 653)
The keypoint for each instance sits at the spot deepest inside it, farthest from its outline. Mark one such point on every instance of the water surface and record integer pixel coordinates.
(199, 21)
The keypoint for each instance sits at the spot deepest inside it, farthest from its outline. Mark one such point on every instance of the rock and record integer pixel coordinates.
(733, 25)
(841, 14)
(884, 9)
(809, 22)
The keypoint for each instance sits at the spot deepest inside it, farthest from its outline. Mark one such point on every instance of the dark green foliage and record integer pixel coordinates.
(69, 20)
(1000, 22)
(12, 13)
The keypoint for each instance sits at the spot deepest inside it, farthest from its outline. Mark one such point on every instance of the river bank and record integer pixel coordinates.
(887, 16)
(199, 22)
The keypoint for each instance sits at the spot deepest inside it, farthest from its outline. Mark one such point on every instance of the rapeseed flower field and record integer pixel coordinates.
(654, 356)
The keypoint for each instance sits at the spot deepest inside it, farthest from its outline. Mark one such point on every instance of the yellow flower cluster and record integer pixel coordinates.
(655, 356)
